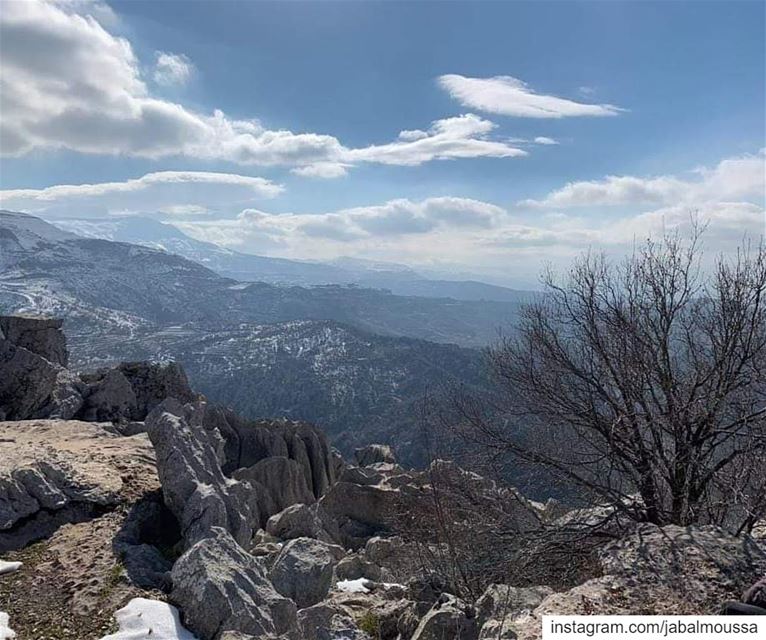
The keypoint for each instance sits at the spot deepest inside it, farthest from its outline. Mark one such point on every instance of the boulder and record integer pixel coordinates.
(219, 587)
(450, 618)
(501, 606)
(328, 622)
(374, 454)
(33, 387)
(108, 397)
(303, 570)
(193, 484)
(282, 482)
(153, 382)
(41, 336)
(303, 521)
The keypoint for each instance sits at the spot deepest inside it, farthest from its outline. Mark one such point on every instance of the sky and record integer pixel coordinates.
(484, 138)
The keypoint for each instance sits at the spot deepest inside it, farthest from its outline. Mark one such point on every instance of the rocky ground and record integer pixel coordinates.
(137, 510)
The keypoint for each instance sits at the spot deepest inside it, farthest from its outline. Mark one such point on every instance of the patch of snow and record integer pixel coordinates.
(143, 619)
(353, 586)
(6, 633)
(9, 567)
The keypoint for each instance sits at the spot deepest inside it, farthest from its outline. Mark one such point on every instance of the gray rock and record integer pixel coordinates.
(33, 387)
(448, 618)
(41, 336)
(108, 397)
(303, 521)
(153, 382)
(502, 605)
(374, 454)
(303, 571)
(328, 622)
(221, 588)
(283, 480)
(193, 484)
(356, 566)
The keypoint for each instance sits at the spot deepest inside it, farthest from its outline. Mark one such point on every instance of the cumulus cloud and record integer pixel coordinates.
(508, 96)
(733, 178)
(172, 69)
(489, 239)
(180, 193)
(67, 82)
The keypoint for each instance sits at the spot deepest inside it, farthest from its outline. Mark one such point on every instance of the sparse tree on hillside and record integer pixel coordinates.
(642, 383)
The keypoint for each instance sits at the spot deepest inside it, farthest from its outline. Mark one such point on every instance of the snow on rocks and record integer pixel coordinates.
(9, 567)
(143, 619)
(6, 633)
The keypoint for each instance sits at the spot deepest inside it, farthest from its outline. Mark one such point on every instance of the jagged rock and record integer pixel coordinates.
(374, 454)
(55, 471)
(303, 521)
(303, 570)
(193, 484)
(33, 387)
(501, 606)
(108, 397)
(328, 622)
(153, 382)
(448, 618)
(282, 481)
(357, 566)
(220, 587)
(41, 336)
(248, 442)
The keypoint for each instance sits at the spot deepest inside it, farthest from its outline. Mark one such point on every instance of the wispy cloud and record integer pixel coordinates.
(169, 192)
(508, 96)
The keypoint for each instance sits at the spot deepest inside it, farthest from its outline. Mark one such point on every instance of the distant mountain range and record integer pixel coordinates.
(399, 279)
(355, 360)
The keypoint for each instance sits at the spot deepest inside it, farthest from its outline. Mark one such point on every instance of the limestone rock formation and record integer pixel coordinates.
(189, 466)
(41, 336)
(153, 382)
(56, 471)
(374, 454)
(219, 587)
(303, 570)
(328, 622)
(448, 618)
(302, 520)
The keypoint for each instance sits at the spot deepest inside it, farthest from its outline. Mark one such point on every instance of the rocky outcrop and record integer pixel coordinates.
(219, 587)
(41, 336)
(302, 520)
(153, 382)
(328, 622)
(374, 454)
(450, 617)
(501, 606)
(54, 472)
(281, 482)
(189, 459)
(658, 570)
(108, 397)
(303, 570)
(247, 442)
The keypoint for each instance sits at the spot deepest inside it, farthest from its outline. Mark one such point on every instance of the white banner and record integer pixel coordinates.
(654, 627)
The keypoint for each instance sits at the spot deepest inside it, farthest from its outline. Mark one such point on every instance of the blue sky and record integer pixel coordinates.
(666, 98)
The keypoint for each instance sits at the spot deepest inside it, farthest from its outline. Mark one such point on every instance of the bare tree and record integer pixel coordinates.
(642, 383)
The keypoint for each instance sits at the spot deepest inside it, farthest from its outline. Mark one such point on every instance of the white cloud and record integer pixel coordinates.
(733, 178)
(172, 69)
(67, 82)
(545, 140)
(510, 96)
(488, 239)
(171, 192)
(463, 136)
(322, 170)
(390, 222)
